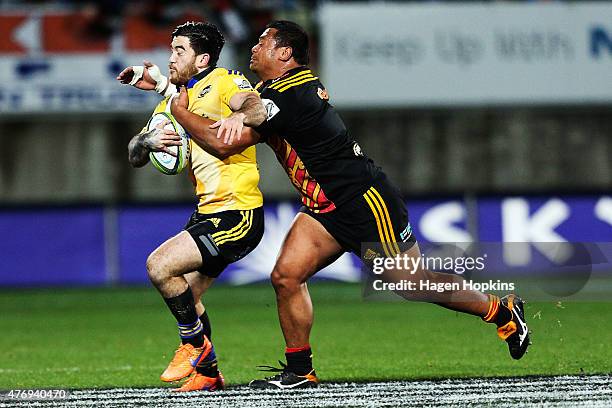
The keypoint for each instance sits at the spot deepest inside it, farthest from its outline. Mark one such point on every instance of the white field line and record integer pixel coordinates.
(72, 369)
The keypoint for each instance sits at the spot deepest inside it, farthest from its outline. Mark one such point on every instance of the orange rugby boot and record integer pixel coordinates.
(199, 382)
(185, 360)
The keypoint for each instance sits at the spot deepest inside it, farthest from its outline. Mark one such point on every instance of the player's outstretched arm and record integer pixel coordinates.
(155, 140)
(200, 131)
(147, 77)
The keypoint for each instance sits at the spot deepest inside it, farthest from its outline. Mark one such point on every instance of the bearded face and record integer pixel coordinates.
(182, 62)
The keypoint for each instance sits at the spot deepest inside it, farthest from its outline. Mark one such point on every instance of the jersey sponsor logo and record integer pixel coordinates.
(205, 91)
(215, 221)
(242, 83)
(323, 94)
(357, 149)
(271, 108)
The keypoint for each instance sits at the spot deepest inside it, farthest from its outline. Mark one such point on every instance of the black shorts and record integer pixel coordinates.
(225, 237)
(371, 225)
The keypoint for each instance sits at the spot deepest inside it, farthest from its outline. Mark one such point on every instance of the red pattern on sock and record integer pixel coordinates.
(296, 349)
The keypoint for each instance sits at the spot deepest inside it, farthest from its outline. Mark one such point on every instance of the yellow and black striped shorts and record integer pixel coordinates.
(225, 237)
(372, 224)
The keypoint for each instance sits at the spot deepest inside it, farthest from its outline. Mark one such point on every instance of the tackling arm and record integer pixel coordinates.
(199, 129)
(249, 107)
(247, 110)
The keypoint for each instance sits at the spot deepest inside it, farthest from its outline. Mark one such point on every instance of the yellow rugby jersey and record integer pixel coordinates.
(220, 185)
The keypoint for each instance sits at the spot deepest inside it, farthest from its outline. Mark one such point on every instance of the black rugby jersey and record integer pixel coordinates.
(312, 143)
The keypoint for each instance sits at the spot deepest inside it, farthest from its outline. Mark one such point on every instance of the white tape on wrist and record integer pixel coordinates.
(160, 80)
(138, 71)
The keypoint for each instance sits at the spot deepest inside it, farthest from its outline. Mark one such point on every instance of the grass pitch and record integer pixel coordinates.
(124, 337)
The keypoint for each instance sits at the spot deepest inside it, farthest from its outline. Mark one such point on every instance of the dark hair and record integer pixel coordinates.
(204, 38)
(290, 34)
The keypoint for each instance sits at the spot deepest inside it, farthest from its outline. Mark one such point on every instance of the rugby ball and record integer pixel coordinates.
(163, 161)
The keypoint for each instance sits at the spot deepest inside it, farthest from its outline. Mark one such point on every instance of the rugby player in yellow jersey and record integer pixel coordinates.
(228, 221)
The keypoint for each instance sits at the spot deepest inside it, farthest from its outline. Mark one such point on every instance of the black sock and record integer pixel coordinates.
(504, 315)
(206, 324)
(299, 362)
(183, 309)
(208, 367)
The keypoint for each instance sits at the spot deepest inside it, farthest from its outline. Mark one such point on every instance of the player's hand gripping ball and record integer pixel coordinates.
(164, 162)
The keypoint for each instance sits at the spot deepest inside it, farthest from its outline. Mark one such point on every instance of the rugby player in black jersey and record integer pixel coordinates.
(348, 202)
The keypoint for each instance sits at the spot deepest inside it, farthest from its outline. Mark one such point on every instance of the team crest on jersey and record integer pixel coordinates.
(271, 108)
(215, 221)
(242, 83)
(323, 94)
(357, 149)
(205, 91)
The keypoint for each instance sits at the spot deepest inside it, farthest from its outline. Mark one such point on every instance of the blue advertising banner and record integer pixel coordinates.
(52, 247)
(141, 230)
(78, 246)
